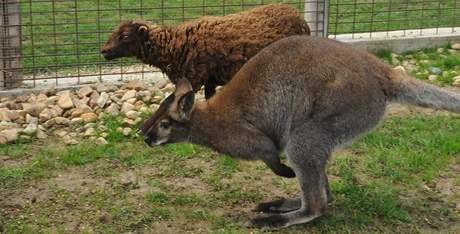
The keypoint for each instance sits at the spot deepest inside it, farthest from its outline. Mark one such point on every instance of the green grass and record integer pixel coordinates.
(67, 35)
(347, 16)
(196, 188)
(447, 61)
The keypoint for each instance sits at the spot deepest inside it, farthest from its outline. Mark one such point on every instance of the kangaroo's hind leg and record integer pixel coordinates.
(287, 204)
(308, 151)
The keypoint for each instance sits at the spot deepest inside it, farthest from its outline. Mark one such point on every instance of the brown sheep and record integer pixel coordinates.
(207, 51)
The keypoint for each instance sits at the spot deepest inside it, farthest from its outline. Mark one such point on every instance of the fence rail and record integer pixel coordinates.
(57, 42)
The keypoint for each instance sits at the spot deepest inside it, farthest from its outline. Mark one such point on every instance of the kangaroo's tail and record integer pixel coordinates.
(415, 92)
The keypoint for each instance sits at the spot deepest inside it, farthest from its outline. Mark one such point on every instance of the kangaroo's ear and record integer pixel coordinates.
(184, 98)
(185, 106)
(183, 86)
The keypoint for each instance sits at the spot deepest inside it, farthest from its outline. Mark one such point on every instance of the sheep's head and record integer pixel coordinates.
(171, 122)
(126, 40)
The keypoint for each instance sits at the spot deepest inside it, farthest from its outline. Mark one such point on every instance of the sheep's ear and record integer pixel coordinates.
(143, 31)
(185, 106)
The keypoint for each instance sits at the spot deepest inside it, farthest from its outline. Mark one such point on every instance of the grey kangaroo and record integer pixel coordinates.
(302, 95)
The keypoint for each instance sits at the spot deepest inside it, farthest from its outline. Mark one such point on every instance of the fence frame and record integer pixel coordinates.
(10, 39)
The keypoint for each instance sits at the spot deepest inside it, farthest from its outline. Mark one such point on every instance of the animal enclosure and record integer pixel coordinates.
(46, 42)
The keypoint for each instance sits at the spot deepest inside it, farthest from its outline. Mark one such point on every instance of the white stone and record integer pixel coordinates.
(135, 84)
(456, 46)
(102, 128)
(52, 100)
(50, 90)
(62, 121)
(127, 131)
(41, 134)
(8, 125)
(128, 95)
(132, 114)
(113, 109)
(432, 77)
(128, 122)
(33, 109)
(5, 114)
(90, 132)
(30, 129)
(77, 112)
(127, 107)
(161, 84)
(89, 117)
(131, 100)
(101, 141)
(102, 100)
(65, 100)
(70, 141)
(9, 135)
(31, 119)
(61, 133)
(456, 81)
(89, 125)
(75, 121)
(85, 91)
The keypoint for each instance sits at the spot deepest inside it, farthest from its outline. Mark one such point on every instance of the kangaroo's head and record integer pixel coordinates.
(171, 122)
(126, 40)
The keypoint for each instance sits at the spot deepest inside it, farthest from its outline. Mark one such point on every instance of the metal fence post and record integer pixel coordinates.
(10, 44)
(316, 14)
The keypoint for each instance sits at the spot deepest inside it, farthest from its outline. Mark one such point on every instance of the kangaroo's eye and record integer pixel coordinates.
(123, 36)
(164, 124)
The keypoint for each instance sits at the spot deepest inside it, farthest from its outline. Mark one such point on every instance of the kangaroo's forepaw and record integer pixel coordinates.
(286, 171)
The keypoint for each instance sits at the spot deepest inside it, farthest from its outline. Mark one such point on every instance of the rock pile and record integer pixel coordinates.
(76, 114)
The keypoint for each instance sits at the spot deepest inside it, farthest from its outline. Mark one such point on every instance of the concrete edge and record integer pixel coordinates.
(401, 45)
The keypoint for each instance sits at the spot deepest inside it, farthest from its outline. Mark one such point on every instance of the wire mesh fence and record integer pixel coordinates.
(58, 41)
(389, 18)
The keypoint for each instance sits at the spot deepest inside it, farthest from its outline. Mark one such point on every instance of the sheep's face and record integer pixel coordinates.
(171, 122)
(125, 40)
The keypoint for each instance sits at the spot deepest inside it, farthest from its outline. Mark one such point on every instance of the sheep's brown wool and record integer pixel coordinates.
(210, 50)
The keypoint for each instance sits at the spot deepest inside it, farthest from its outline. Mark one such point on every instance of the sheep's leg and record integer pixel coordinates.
(209, 88)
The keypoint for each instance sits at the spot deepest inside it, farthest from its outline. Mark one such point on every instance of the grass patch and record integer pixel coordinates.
(86, 153)
(11, 175)
(385, 55)
(157, 197)
(161, 213)
(366, 202)
(426, 59)
(197, 215)
(412, 146)
(15, 151)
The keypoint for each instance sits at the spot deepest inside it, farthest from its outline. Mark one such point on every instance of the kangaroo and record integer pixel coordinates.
(301, 95)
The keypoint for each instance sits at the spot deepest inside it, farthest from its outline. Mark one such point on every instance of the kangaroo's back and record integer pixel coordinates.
(305, 76)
